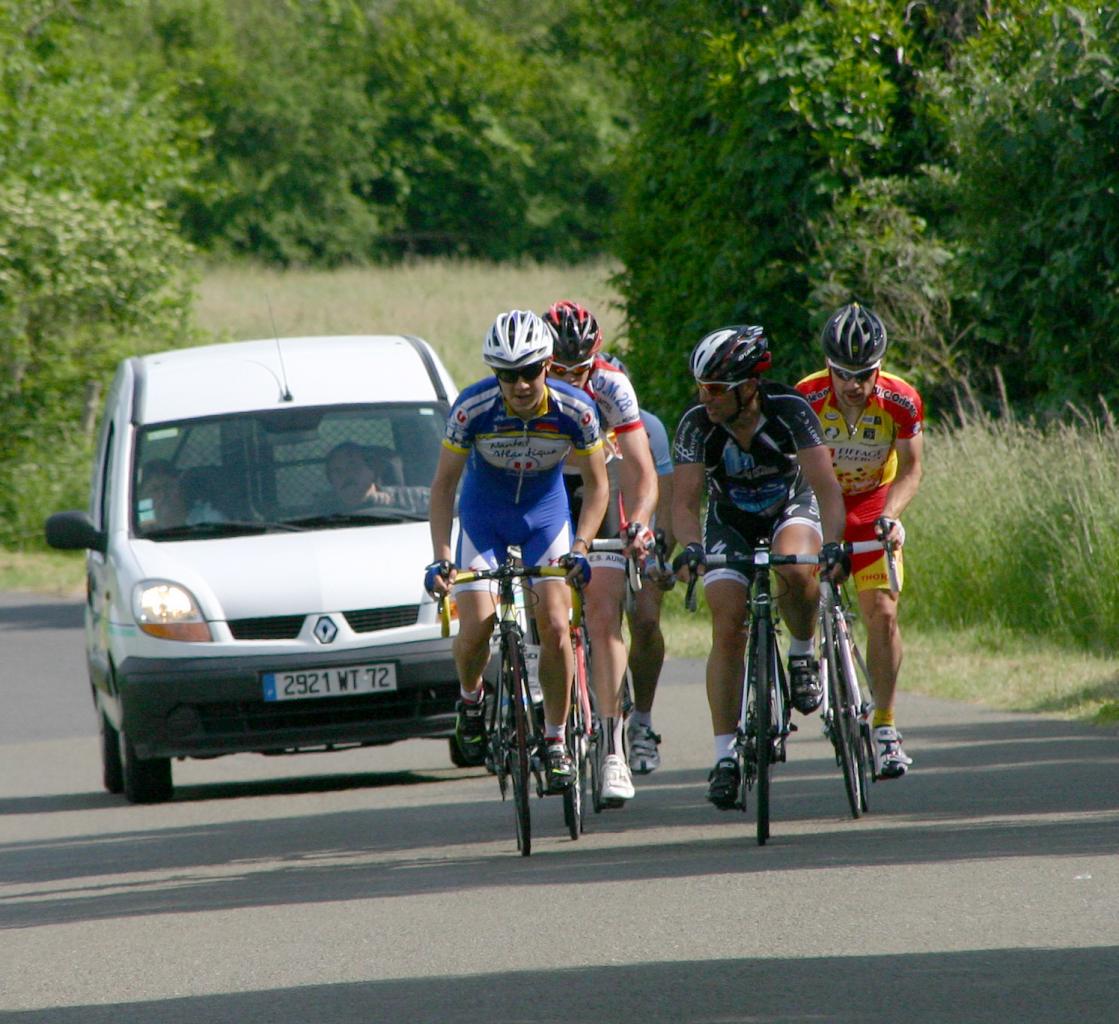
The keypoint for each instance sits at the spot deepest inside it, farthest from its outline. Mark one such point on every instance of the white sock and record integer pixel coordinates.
(552, 732)
(614, 727)
(799, 648)
(644, 718)
(724, 745)
(472, 696)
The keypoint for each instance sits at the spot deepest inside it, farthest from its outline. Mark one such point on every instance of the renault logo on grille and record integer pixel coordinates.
(325, 631)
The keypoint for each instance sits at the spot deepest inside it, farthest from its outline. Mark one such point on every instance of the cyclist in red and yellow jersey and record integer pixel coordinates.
(872, 422)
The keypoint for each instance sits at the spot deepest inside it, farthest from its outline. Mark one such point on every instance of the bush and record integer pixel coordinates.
(1014, 528)
(1032, 107)
(82, 284)
(754, 127)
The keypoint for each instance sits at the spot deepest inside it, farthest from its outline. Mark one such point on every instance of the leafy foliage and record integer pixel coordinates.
(754, 127)
(91, 268)
(491, 147)
(1033, 108)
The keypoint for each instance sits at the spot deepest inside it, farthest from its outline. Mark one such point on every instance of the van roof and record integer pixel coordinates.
(211, 380)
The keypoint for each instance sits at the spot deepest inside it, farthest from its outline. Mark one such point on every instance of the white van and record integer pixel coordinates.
(245, 592)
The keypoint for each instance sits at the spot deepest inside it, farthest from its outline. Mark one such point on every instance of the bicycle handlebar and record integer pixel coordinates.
(510, 573)
(763, 557)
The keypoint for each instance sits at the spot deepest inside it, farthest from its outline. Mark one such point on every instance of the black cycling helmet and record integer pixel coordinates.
(731, 354)
(577, 334)
(854, 336)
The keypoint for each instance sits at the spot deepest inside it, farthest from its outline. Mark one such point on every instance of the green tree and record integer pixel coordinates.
(493, 144)
(91, 266)
(754, 122)
(1033, 110)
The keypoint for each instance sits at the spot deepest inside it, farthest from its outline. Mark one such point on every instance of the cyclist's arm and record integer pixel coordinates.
(596, 490)
(815, 463)
(904, 486)
(688, 483)
(637, 476)
(664, 511)
(448, 471)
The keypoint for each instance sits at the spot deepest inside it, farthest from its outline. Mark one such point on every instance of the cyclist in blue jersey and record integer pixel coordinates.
(507, 438)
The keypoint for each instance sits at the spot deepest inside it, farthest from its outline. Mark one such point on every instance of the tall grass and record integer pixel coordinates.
(1015, 526)
(448, 303)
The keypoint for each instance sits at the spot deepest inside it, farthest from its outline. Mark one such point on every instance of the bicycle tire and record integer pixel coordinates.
(765, 679)
(516, 750)
(576, 738)
(865, 740)
(844, 731)
(746, 743)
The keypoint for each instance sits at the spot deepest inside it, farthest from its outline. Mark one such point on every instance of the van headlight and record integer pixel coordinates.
(168, 611)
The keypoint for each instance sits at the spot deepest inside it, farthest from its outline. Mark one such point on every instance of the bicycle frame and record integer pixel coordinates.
(765, 716)
(512, 724)
(845, 708)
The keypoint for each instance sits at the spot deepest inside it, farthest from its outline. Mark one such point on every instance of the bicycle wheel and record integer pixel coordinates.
(858, 687)
(516, 746)
(765, 679)
(576, 738)
(844, 730)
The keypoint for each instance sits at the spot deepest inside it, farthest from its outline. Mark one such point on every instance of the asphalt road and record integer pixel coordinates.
(383, 885)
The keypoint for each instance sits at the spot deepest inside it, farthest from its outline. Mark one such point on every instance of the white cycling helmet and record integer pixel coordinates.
(517, 338)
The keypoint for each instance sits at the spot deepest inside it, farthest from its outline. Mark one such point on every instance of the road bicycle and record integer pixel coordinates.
(514, 721)
(845, 708)
(764, 720)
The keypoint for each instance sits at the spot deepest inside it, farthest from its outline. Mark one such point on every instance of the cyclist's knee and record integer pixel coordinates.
(728, 641)
(879, 610)
(471, 643)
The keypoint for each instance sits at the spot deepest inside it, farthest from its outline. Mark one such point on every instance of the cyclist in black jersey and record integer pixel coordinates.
(755, 447)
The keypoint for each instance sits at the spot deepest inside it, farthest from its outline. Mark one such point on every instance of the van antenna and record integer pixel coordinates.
(285, 392)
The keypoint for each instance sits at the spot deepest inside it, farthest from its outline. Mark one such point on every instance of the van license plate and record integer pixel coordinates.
(336, 681)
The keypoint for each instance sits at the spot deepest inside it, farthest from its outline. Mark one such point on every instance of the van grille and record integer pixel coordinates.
(369, 620)
(276, 627)
(287, 627)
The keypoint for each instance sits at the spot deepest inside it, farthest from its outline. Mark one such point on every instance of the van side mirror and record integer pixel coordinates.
(74, 531)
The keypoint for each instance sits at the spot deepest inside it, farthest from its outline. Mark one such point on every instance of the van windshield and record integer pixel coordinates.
(285, 469)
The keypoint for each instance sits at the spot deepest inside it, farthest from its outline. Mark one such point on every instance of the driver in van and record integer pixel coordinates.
(161, 503)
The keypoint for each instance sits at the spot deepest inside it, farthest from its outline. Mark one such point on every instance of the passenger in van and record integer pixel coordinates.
(360, 480)
(161, 503)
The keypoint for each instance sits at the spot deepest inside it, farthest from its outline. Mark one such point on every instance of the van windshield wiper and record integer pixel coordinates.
(363, 518)
(229, 528)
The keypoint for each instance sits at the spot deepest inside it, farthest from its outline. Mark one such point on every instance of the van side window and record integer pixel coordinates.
(106, 487)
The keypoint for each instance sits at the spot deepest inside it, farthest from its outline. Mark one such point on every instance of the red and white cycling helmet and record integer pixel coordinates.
(577, 334)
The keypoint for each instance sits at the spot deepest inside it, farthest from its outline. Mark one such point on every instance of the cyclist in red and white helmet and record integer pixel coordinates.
(756, 449)
(873, 421)
(578, 360)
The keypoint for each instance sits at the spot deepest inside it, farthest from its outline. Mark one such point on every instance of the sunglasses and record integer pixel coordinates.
(560, 370)
(856, 375)
(715, 388)
(530, 372)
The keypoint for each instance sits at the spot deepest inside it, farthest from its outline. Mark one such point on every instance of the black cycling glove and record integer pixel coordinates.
(693, 556)
(833, 555)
